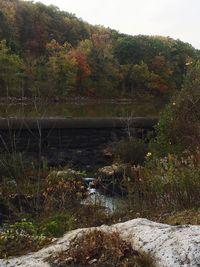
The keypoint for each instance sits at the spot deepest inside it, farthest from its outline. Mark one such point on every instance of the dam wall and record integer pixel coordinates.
(64, 141)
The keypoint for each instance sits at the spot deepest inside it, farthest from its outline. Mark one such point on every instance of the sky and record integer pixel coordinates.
(179, 19)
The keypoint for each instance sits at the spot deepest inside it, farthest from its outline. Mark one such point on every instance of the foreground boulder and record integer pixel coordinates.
(169, 246)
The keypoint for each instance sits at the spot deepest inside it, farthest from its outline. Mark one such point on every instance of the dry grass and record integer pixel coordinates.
(100, 249)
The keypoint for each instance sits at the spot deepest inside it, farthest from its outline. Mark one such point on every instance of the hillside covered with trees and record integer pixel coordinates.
(47, 52)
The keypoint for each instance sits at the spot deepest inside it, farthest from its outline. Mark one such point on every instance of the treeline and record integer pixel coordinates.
(47, 52)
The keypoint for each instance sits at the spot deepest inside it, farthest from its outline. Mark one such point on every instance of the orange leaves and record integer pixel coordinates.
(81, 59)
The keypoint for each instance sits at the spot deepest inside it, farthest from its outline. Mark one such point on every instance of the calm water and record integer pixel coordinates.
(98, 109)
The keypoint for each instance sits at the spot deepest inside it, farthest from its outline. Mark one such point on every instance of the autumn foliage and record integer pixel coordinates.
(47, 52)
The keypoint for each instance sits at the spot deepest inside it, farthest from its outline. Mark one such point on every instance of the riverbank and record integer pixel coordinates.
(167, 246)
(80, 107)
(82, 99)
(61, 205)
(75, 100)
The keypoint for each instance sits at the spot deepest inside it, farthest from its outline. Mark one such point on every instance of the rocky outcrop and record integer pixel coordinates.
(110, 179)
(115, 179)
(169, 246)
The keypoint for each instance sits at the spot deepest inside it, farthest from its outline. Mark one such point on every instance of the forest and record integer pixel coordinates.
(45, 52)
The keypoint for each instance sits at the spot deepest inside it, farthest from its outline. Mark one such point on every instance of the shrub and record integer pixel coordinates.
(55, 225)
(171, 180)
(19, 238)
(63, 189)
(100, 249)
(129, 150)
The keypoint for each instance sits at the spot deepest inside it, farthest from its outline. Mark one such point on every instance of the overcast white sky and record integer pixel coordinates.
(179, 19)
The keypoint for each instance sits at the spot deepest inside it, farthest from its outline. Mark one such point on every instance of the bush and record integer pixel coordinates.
(100, 249)
(56, 225)
(63, 189)
(19, 238)
(172, 180)
(129, 150)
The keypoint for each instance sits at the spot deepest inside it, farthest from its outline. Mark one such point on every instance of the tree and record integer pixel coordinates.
(128, 51)
(96, 61)
(138, 79)
(8, 25)
(83, 68)
(61, 69)
(11, 71)
(179, 125)
(104, 67)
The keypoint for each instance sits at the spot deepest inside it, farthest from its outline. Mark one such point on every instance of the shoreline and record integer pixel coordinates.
(80, 100)
(74, 100)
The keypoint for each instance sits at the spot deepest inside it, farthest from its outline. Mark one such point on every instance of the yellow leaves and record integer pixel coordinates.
(148, 154)
(63, 188)
(188, 63)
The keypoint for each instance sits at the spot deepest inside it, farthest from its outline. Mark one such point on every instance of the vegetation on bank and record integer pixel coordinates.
(46, 52)
(170, 175)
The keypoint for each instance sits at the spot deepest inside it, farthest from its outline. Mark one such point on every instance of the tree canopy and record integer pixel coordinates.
(51, 52)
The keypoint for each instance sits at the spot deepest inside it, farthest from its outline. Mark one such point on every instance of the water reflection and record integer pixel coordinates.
(99, 109)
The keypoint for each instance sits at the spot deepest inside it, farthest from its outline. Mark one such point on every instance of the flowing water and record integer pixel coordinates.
(95, 197)
(110, 203)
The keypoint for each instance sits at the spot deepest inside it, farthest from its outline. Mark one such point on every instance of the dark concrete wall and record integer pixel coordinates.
(63, 141)
(74, 123)
(82, 147)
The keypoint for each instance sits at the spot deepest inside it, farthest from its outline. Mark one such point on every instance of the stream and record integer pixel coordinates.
(109, 202)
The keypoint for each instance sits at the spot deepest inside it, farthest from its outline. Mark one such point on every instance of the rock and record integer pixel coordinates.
(170, 246)
(110, 179)
(68, 260)
(92, 261)
(68, 173)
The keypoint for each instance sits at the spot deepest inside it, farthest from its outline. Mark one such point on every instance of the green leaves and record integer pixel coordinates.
(11, 71)
(178, 128)
(62, 55)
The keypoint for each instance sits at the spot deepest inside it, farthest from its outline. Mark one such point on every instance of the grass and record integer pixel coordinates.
(191, 216)
(20, 238)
